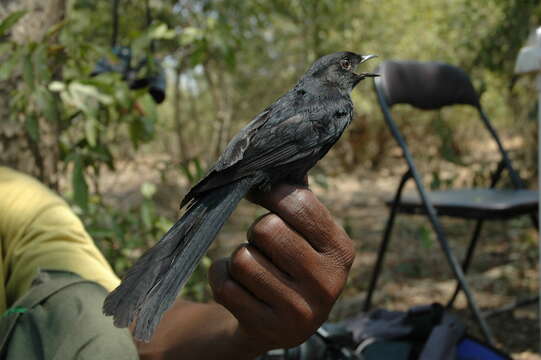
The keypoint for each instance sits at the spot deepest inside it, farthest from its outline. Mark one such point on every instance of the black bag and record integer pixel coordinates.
(421, 333)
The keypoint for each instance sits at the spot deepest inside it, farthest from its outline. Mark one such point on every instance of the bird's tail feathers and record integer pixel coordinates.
(152, 284)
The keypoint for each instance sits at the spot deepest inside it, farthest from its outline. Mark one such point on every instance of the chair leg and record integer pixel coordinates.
(379, 261)
(459, 274)
(384, 244)
(467, 260)
(509, 307)
(535, 220)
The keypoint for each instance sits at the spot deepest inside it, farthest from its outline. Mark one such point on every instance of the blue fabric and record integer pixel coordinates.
(469, 349)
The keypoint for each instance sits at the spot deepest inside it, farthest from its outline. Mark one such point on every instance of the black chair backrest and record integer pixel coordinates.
(430, 86)
(426, 85)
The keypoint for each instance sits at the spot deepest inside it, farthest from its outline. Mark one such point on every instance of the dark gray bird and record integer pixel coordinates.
(279, 145)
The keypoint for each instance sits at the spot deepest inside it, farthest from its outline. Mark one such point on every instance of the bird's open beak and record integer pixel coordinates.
(366, 58)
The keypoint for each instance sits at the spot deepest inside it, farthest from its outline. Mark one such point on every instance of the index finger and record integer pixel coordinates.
(300, 208)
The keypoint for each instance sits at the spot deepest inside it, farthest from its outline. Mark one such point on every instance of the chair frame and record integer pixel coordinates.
(458, 270)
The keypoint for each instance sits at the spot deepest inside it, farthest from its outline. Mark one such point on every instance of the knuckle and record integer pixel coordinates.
(343, 253)
(217, 278)
(303, 195)
(265, 228)
(330, 281)
(302, 200)
(328, 290)
(213, 273)
(331, 291)
(240, 261)
(308, 317)
(245, 269)
(347, 251)
(223, 294)
(305, 313)
(219, 292)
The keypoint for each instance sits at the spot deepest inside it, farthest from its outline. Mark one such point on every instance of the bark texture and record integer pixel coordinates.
(16, 148)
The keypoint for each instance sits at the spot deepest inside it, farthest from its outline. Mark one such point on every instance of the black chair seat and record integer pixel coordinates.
(474, 203)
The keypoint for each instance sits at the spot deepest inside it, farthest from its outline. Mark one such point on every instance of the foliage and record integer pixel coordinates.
(123, 235)
(498, 49)
(84, 115)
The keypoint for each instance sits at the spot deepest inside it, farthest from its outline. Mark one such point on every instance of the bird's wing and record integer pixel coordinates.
(234, 151)
(287, 135)
(283, 143)
(277, 137)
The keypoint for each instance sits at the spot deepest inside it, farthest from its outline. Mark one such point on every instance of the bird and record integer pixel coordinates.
(279, 145)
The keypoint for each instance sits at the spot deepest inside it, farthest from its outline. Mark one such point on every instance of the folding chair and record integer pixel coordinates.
(431, 86)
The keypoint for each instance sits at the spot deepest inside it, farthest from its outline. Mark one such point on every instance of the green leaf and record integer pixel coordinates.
(48, 104)
(123, 96)
(57, 86)
(148, 190)
(85, 4)
(85, 93)
(161, 32)
(32, 126)
(10, 21)
(106, 83)
(162, 224)
(199, 55)
(190, 35)
(91, 131)
(142, 127)
(55, 29)
(42, 72)
(149, 107)
(80, 187)
(28, 72)
(134, 130)
(6, 47)
(102, 153)
(229, 55)
(7, 67)
(146, 214)
(185, 168)
(140, 45)
(200, 172)
(425, 236)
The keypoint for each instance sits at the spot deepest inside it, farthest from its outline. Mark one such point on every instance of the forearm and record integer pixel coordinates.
(197, 331)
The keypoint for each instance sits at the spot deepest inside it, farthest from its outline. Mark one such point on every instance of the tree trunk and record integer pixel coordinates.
(227, 91)
(222, 109)
(184, 155)
(42, 14)
(15, 146)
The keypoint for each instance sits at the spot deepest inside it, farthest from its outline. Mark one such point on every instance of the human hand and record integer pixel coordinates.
(282, 284)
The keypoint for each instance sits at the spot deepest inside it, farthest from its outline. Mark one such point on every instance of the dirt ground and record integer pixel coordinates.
(415, 272)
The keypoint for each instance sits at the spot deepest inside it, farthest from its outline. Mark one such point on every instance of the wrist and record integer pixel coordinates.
(248, 346)
(199, 331)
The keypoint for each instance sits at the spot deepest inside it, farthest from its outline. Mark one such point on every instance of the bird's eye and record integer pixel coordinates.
(346, 65)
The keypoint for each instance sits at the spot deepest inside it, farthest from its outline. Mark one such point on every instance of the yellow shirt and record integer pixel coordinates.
(38, 230)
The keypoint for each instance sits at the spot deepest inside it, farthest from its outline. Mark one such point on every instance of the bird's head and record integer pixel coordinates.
(338, 69)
